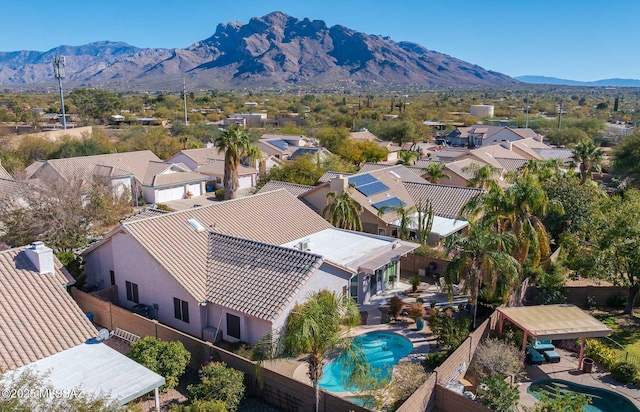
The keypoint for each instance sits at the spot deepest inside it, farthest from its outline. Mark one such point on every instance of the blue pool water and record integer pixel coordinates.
(602, 400)
(382, 350)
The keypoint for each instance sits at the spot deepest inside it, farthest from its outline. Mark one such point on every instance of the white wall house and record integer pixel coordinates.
(164, 182)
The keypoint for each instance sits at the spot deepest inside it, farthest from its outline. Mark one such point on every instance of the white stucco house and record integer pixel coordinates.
(234, 270)
(165, 181)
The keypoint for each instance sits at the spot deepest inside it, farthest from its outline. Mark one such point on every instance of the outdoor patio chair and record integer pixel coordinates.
(444, 287)
(533, 357)
(543, 345)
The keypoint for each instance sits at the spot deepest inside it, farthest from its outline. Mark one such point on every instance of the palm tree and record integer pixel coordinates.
(482, 258)
(343, 211)
(234, 142)
(418, 217)
(483, 176)
(315, 328)
(436, 172)
(589, 157)
(406, 157)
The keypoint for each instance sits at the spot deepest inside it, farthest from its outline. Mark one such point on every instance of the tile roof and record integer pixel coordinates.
(131, 162)
(511, 164)
(327, 176)
(182, 251)
(4, 174)
(38, 317)
(9, 188)
(488, 154)
(292, 188)
(364, 135)
(266, 147)
(163, 174)
(203, 155)
(255, 278)
(216, 168)
(555, 153)
(143, 214)
(404, 173)
(461, 167)
(313, 150)
(445, 200)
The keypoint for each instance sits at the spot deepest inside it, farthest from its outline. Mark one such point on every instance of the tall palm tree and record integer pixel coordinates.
(435, 172)
(589, 157)
(483, 176)
(482, 257)
(234, 142)
(315, 328)
(343, 211)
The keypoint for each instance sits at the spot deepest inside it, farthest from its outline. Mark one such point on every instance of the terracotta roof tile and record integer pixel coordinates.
(4, 174)
(292, 188)
(37, 316)
(445, 200)
(216, 168)
(255, 278)
(203, 155)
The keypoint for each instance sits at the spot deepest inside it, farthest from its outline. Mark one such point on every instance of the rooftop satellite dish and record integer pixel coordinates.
(103, 334)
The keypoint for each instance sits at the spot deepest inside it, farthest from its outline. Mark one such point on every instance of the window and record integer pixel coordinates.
(181, 309)
(233, 326)
(382, 231)
(132, 292)
(112, 275)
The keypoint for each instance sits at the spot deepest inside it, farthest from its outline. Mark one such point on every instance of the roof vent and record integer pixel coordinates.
(195, 225)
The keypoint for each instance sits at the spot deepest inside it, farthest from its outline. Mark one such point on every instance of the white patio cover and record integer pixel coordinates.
(98, 370)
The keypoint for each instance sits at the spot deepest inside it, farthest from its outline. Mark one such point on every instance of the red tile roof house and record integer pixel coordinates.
(43, 329)
(234, 270)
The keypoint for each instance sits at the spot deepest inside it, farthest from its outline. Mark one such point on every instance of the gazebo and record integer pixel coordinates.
(552, 322)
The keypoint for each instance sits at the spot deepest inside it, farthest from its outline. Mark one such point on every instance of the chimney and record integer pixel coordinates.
(208, 145)
(41, 257)
(339, 184)
(510, 146)
(539, 138)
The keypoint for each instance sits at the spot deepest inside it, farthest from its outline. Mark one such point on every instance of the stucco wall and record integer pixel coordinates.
(97, 265)
(155, 285)
(182, 158)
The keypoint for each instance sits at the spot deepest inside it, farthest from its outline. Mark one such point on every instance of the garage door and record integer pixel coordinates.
(245, 182)
(195, 189)
(174, 193)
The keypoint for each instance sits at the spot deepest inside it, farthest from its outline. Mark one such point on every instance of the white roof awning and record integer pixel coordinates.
(98, 370)
(442, 226)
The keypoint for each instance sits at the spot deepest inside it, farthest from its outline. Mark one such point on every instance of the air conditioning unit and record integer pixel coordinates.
(212, 335)
(304, 245)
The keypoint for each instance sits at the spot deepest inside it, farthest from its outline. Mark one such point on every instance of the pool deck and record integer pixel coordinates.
(567, 369)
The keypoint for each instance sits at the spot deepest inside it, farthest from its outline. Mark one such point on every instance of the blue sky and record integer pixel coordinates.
(572, 39)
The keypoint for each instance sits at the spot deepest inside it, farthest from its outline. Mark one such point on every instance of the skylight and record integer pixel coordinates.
(394, 173)
(195, 225)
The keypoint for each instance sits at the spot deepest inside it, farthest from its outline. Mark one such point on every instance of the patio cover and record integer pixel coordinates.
(97, 369)
(554, 322)
(442, 226)
(382, 259)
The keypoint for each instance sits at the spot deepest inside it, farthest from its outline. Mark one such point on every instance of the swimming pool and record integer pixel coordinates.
(602, 400)
(382, 350)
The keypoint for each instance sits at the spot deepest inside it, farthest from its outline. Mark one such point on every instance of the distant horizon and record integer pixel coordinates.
(574, 40)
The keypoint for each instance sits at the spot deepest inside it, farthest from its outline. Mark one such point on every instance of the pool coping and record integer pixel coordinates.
(567, 370)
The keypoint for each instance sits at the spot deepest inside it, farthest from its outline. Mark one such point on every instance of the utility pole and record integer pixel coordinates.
(184, 94)
(560, 114)
(58, 71)
(526, 122)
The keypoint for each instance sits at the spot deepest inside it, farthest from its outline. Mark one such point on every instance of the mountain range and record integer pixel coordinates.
(270, 51)
(565, 82)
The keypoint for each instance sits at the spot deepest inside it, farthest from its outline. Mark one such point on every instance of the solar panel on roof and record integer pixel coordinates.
(280, 144)
(393, 202)
(372, 188)
(362, 180)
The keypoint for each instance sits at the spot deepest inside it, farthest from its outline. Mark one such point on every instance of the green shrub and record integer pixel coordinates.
(617, 301)
(550, 297)
(498, 395)
(414, 282)
(219, 383)
(201, 406)
(601, 353)
(559, 401)
(624, 372)
(168, 359)
(450, 332)
(219, 194)
(435, 359)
